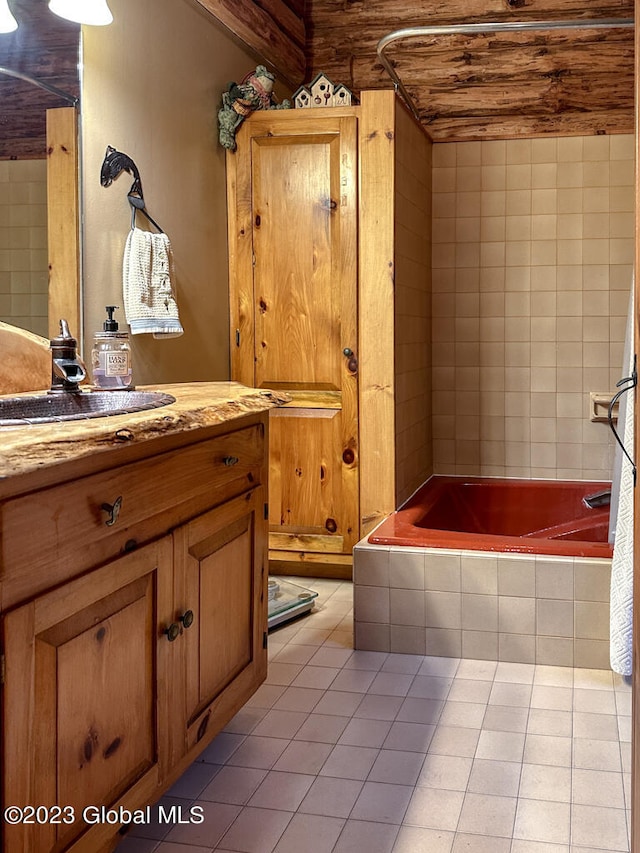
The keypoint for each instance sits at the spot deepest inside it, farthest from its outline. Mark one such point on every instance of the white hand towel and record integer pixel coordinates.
(621, 623)
(149, 299)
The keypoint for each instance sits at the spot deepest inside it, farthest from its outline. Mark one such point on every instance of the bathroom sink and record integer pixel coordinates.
(50, 408)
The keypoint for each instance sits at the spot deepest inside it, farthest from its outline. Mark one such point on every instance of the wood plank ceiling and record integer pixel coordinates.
(486, 86)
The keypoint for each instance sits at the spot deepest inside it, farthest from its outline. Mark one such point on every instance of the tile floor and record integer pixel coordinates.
(368, 752)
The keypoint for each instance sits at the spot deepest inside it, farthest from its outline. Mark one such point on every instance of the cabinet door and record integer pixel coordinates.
(80, 727)
(300, 179)
(221, 582)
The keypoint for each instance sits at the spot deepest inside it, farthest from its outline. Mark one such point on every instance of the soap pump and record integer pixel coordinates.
(111, 355)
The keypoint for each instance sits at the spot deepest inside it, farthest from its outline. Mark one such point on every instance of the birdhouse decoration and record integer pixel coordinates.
(302, 98)
(321, 92)
(341, 96)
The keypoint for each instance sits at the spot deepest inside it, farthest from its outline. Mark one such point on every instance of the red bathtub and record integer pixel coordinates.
(487, 514)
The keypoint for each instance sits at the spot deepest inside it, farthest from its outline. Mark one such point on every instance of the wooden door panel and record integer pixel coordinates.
(297, 249)
(225, 576)
(101, 745)
(305, 470)
(82, 666)
(221, 577)
(294, 305)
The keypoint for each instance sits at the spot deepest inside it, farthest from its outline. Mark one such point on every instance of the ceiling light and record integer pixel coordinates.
(7, 22)
(94, 12)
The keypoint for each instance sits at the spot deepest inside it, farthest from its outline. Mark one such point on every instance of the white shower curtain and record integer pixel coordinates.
(621, 523)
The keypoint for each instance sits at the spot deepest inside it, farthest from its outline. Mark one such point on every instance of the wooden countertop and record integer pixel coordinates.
(39, 449)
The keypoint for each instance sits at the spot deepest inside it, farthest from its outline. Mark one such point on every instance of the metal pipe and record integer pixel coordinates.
(480, 29)
(53, 90)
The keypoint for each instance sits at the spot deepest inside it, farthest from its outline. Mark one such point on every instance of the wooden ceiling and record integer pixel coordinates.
(487, 86)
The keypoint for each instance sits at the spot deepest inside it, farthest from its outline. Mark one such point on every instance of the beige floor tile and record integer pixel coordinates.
(553, 676)
(412, 737)
(552, 698)
(547, 749)
(600, 827)
(255, 830)
(350, 762)
(363, 732)
(310, 833)
(361, 659)
(446, 772)
(302, 756)
(233, 785)
(339, 703)
(391, 684)
(331, 797)
(418, 839)
(545, 782)
(448, 740)
(596, 755)
(522, 846)
(434, 809)
(466, 714)
(379, 801)
(280, 724)
(396, 767)
(298, 699)
(500, 718)
(499, 778)
(598, 788)
(500, 746)
(466, 843)
(218, 818)
(487, 815)
(595, 726)
(481, 670)
(538, 820)
(414, 710)
(280, 790)
(261, 752)
(511, 694)
(546, 722)
(430, 687)
(322, 728)
(469, 690)
(518, 673)
(361, 835)
(594, 701)
(379, 707)
(407, 664)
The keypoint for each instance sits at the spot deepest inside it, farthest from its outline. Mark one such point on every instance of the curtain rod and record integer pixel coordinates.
(53, 90)
(480, 29)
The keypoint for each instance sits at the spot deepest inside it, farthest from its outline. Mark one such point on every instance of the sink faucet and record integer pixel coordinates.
(67, 368)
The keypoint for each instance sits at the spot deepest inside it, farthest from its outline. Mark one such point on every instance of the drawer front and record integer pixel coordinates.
(57, 533)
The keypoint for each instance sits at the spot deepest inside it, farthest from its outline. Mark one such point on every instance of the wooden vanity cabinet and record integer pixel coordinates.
(115, 678)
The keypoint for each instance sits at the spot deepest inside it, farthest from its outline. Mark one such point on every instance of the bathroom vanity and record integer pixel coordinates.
(133, 604)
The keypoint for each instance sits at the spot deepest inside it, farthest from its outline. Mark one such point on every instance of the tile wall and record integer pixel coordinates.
(412, 322)
(24, 277)
(532, 260)
(521, 608)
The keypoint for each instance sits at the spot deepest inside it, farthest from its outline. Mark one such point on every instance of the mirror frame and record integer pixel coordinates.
(63, 219)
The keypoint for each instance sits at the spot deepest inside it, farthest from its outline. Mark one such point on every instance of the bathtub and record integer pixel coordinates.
(506, 515)
(497, 569)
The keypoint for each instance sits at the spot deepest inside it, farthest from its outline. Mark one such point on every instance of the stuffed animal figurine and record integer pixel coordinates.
(253, 93)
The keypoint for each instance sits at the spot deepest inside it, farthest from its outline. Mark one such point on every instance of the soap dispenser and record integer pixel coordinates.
(111, 355)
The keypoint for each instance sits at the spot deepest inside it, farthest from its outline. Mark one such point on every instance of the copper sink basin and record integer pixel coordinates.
(51, 408)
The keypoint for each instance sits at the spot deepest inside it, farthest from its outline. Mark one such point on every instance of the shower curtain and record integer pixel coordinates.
(621, 522)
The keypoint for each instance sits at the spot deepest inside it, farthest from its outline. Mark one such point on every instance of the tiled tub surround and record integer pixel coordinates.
(493, 606)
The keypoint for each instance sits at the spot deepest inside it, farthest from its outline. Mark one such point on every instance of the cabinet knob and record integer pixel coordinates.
(230, 460)
(187, 618)
(112, 510)
(172, 632)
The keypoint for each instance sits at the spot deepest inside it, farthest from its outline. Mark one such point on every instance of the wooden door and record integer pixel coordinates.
(79, 699)
(221, 580)
(297, 331)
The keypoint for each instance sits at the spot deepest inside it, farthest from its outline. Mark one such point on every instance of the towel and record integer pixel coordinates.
(622, 564)
(149, 299)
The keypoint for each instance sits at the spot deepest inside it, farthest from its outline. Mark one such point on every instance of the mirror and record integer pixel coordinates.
(35, 221)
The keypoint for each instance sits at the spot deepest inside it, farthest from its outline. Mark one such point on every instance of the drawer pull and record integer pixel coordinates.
(187, 619)
(230, 460)
(172, 632)
(112, 510)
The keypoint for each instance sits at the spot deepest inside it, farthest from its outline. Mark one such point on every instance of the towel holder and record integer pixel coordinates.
(114, 163)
